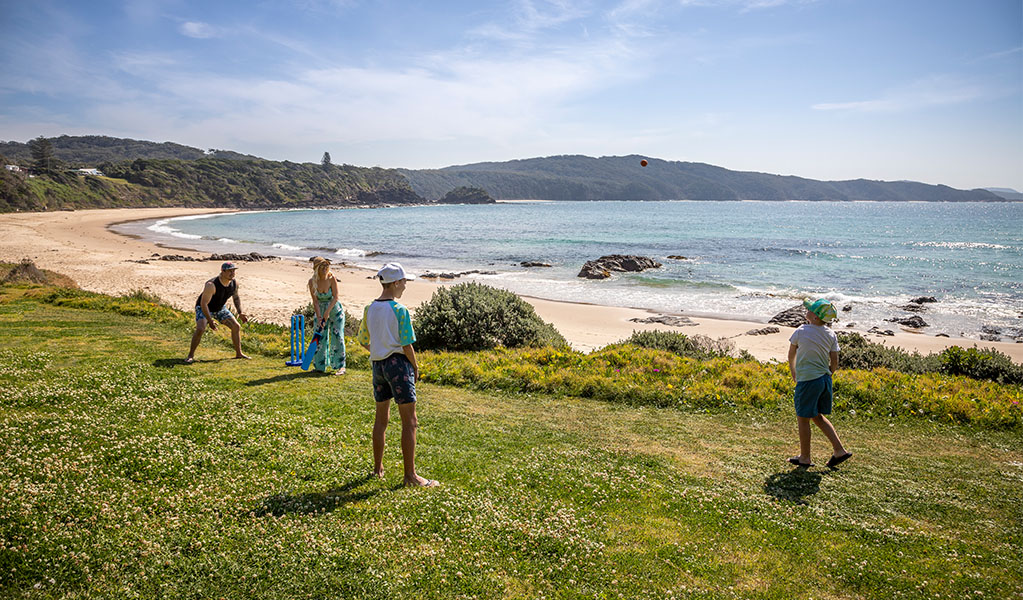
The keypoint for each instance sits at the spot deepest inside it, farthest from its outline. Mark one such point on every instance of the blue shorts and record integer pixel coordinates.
(394, 377)
(221, 315)
(814, 397)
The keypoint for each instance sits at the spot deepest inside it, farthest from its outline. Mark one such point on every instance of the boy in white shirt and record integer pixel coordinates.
(386, 331)
(813, 357)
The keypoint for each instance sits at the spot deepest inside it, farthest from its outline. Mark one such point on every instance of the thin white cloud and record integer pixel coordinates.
(198, 29)
(744, 5)
(935, 91)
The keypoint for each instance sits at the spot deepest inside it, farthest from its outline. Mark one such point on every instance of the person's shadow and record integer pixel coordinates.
(794, 485)
(315, 502)
(287, 377)
(170, 363)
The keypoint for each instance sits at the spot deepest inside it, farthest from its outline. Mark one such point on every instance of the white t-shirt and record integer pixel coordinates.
(386, 327)
(813, 358)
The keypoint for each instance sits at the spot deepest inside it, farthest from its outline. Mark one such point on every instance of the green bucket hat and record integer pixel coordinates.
(822, 308)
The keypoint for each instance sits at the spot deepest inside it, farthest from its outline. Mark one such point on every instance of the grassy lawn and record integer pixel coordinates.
(125, 473)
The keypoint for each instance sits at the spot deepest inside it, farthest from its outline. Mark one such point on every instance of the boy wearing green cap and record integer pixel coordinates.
(813, 357)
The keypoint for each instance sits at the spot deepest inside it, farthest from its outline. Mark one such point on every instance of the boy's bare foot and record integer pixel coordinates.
(379, 474)
(421, 482)
(242, 356)
(340, 371)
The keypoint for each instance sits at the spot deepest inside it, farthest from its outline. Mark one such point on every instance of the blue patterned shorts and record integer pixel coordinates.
(221, 315)
(814, 397)
(394, 377)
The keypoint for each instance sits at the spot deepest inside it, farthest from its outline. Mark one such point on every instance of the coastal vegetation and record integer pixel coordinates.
(472, 316)
(129, 474)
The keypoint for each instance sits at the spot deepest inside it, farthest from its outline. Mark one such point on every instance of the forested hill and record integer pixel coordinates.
(623, 178)
(91, 150)
(207, 182)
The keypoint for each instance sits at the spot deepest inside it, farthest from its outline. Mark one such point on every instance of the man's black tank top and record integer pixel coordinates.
(220, 296)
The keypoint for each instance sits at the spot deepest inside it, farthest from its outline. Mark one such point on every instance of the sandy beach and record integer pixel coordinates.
(80, 245)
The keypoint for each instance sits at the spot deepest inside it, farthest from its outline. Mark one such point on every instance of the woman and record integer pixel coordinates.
(330, 353)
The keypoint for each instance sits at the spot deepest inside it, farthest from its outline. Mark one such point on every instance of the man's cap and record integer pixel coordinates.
(822, 308)
(392, 272)
(227, 265)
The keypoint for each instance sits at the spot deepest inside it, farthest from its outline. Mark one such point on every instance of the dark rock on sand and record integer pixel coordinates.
(793, 317)
(250, 257)
(913, 307)
(989, 337)
(667, 320)
(924, 300)
(915, 321)
(621, 263)
(847, 308)
(763, 331)
(178, 257)
(532, 263)
(941, 335)
(879, 331)
(677, 257)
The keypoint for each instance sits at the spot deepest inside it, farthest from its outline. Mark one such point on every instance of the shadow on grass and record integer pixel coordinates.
(794, 485)
(170, 363)
(316, 502)
(288, 377)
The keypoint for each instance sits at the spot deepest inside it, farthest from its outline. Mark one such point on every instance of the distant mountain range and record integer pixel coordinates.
(623, 178)
(146, 173)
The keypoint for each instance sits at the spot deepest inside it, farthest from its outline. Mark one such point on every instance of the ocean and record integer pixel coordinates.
(746, 260)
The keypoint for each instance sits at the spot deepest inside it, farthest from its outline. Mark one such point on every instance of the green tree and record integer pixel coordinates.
(42, 154)
(325, 161)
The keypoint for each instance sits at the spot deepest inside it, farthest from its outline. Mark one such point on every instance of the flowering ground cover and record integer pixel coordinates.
(124, 473)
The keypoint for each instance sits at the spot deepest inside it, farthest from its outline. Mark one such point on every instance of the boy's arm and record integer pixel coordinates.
(792, 360)
(410, 354)
(834, 361)
(363, 336)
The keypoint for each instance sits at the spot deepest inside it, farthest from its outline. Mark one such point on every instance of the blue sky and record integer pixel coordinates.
(926, 90)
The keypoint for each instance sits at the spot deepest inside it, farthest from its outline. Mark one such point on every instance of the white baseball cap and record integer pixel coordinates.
(392, 272)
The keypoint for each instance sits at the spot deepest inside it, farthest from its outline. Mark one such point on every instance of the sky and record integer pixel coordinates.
(922, 90)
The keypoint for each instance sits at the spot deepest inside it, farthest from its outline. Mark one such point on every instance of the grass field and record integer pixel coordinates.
(125, 473)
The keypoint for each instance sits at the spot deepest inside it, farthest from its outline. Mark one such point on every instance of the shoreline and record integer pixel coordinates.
(81, 245)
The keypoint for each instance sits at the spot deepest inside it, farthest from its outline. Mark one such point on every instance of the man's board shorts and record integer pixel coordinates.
(394, 377)
(813, 397)
(221, 315)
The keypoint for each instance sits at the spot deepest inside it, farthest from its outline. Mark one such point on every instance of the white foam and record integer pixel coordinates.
(227, 240)
(287, 247)
(162, 227)
(350, 252)
(960, 245)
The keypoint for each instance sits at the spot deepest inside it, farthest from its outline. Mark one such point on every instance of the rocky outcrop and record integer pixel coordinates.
(879, 331)
(621, 263)
(792, 317)
(677, 257)
(673, 321)
(763, 331)
(529, 264)
(250, 257)
(924, 300)
(915, 321)
(429, 275)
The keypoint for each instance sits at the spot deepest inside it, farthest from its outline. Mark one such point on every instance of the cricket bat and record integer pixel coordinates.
(311, 350)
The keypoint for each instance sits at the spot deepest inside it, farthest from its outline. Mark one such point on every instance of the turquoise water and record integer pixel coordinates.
(743, 259)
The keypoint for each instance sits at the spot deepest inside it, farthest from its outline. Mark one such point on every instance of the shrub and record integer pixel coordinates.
(472, 316)
(699, 347)
(985, 363)
(860, 353)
